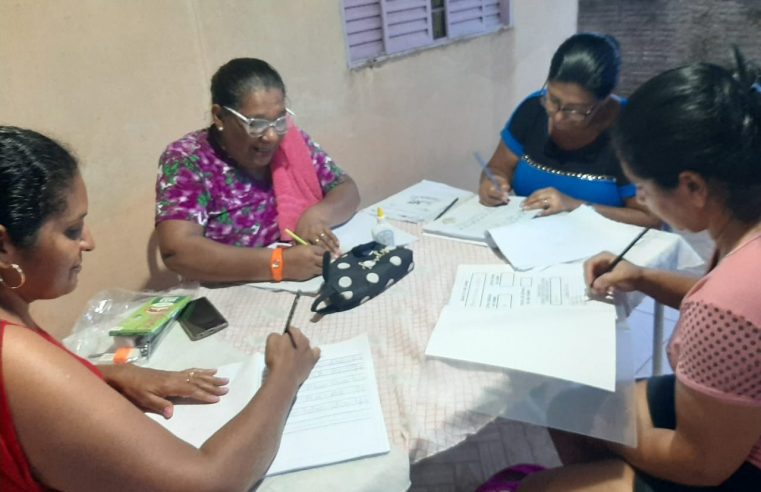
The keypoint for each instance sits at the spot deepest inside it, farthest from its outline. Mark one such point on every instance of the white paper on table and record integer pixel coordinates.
(574, 343)
(356, 231)
(502, 288)
(421, 202)
(576, 236)
(470, 220)
(336, 417)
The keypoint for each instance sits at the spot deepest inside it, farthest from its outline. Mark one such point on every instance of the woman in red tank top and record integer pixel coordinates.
(66, 425)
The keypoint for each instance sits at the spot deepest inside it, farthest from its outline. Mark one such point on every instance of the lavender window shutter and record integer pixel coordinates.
(496, 13)
(465, 17)
(364, 29)
(407, 24)
(473, 16)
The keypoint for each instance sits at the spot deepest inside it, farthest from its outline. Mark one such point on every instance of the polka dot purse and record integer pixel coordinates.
(359, 275)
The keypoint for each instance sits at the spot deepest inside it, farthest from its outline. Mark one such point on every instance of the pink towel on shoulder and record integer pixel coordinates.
(294, 179)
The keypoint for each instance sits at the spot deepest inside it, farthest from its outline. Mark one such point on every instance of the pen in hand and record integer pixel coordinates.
(296, 237)
(620, 257)
(290, 318)
(487, 171)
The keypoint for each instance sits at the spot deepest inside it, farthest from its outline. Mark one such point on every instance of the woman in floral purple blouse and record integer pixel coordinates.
(225, 192)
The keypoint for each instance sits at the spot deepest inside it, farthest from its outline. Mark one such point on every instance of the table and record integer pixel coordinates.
(429, 405)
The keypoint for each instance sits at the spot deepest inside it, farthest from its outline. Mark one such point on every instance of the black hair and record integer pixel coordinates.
(239, 77)
(35, 175)
(590, 60)
(701, 118)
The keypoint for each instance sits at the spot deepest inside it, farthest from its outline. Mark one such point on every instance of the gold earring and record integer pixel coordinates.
(22, 277)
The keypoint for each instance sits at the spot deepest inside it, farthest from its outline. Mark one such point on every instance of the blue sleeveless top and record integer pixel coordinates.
(591, 174)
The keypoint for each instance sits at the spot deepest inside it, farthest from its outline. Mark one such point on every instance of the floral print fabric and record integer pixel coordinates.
(196, 184)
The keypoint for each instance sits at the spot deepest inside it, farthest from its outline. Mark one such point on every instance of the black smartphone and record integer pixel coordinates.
(199, 318)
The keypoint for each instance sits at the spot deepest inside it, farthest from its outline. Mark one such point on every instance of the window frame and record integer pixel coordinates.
(389, 51)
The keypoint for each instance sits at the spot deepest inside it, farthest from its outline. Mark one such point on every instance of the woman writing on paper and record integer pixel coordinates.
(555, 149)
(690, 140)
(62, 424)
(227, 191)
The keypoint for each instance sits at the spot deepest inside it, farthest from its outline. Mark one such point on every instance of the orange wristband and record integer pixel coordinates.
(276, 264)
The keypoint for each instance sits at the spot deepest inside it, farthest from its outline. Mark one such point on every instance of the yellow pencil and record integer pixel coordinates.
(296, 238)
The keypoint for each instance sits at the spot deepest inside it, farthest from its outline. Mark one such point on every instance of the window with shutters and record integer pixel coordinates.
(376, 29)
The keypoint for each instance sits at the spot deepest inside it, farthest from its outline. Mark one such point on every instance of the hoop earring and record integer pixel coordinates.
(22, 277)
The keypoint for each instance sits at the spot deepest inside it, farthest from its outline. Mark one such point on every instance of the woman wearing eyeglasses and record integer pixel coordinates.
(225, 192)
(556, 150)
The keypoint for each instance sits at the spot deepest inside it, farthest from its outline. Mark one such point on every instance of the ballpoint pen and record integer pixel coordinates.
(485, 168)
(446, 209)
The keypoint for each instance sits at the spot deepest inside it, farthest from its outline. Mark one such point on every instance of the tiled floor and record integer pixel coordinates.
(462, 468)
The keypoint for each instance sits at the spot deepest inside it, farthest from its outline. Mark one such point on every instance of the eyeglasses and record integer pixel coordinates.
(256, 127)
(553, 105)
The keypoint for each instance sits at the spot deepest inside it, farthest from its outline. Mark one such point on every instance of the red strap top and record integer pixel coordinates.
(15, 473)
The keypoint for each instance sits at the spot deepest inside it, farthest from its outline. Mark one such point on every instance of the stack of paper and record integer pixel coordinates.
(337, 415)
(421, 202)
(470, 221)
(541, 323)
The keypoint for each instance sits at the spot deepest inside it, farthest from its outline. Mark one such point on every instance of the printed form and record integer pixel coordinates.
(337, 415)
(470, 220)
(501, 287)
(537, 322)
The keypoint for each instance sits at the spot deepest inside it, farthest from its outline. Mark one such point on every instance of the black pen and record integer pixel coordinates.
(290, 318)
(620, 257)
(446, 209)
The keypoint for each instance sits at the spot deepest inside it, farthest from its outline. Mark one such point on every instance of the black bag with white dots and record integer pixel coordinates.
(359, 275)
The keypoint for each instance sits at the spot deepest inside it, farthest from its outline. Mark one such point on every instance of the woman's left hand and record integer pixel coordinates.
(550, 201)
(315, 230)
(150, 389)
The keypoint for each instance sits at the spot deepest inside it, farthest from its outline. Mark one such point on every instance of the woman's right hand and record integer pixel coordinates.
(491, 196)
(624, 276)
(290, 355)
(302, 262)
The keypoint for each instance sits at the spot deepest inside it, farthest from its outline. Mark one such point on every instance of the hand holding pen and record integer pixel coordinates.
(605, 272)
(494, 190)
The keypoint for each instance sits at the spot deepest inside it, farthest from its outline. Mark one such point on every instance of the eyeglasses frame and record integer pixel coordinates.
(270, 123)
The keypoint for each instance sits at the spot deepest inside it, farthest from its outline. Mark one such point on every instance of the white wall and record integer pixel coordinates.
(118, 80)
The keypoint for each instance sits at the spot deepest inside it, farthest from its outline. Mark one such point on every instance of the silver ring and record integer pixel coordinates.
(190, 375)
(322, 234)
(316, 240)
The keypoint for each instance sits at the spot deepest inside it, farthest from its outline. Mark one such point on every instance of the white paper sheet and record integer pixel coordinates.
(421, 202)
(573, 343)
(500, 287)
(336, 417)
(470, 220)
(358, 230)
(574, 236)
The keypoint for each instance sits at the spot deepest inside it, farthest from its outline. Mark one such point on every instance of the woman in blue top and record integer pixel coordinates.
(556, 150)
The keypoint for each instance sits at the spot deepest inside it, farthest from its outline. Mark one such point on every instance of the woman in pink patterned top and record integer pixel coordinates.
(225, 192)
(690, 140)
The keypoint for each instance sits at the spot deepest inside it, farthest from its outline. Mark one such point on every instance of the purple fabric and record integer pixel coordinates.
(509, 479)
(196, 184)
